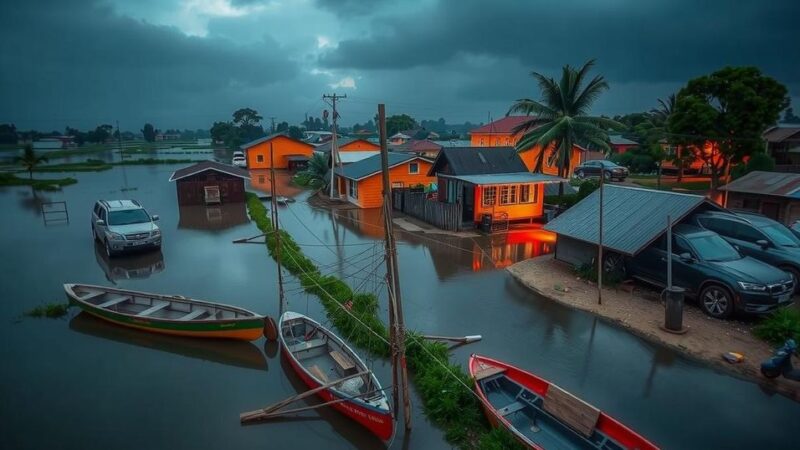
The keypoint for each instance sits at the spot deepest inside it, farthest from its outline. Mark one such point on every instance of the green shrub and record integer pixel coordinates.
(779, 326)
(51, 310)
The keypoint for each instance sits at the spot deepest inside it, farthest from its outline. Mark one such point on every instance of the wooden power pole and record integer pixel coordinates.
(334, 147)
(396, 322)
(275, 227)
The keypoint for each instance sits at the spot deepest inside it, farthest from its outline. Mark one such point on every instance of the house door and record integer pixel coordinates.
(468, 196)
(770, 209)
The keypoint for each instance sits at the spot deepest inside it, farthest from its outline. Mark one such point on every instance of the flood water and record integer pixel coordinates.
(79, 383)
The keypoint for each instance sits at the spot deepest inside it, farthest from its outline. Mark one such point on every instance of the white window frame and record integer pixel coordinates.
(509, 194)
(491, 193)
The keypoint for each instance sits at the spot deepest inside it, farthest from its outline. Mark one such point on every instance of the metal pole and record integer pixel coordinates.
(276, 227)
(397, 334)
(600, 245)
(669, 252)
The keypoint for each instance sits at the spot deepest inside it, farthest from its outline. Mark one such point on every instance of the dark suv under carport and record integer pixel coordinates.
(712, 271)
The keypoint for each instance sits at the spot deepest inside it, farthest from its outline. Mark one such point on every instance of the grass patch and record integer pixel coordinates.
(306, 180)
(150, 161)
(779, 326)
(9, 179)
(91, 165)
(589, 272)
(49, 310)
(448, 401)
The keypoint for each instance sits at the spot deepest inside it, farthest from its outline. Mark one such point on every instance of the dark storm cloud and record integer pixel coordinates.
(633, 40)
(81, 60)
(353, 7)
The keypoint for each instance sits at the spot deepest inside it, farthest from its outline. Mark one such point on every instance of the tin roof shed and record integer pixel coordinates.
(767, 183)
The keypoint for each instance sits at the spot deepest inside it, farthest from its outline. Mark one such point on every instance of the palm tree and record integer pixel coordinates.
(661, 116)
(664, 110)
(30, 160)
(561, 119)
(317, 170)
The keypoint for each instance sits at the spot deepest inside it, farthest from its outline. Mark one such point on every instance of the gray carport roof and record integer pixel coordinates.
(632, 217)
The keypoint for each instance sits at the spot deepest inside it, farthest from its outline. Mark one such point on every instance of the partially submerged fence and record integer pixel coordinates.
(447, 216)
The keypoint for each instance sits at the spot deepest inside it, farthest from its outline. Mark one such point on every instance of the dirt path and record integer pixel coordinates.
(642, 312)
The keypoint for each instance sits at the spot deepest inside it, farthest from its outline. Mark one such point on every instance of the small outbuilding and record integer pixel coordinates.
(633, 218)
(210, 182)
(773, 194)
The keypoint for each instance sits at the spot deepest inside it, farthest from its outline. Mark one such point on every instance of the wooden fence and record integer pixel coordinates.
(446, 216)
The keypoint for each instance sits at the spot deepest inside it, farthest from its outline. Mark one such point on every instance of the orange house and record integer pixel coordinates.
(289, 153)
(361, 182)
(500, 134)
(494, 182)
(349, 145)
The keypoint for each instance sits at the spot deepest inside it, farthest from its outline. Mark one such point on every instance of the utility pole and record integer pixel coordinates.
(600, 241)
(396, 322)
(273, 124)
(334, 149)
(275, 227)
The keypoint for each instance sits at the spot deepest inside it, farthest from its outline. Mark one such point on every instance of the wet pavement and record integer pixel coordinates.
(80, 383)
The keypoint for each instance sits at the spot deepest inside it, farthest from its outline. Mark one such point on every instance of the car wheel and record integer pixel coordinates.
(795, 276)
(580, 174)
(716, 301)
(770, 373)
(614, 265)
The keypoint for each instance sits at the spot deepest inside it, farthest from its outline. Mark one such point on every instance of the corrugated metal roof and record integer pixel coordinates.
(767, 183)
(617, 139)
(478, 160)
(209, 165)
(506, 178)
(782, 133)
(502, 126)
(326, 147)
(552, 189)
(350, 157)
(372, 165)
(632, 217)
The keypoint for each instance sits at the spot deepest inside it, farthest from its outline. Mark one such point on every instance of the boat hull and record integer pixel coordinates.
(248, 329)
(380, 423)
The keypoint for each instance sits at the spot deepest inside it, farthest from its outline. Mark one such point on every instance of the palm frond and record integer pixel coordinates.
(601, 122)
(589, 95)
(530, 107)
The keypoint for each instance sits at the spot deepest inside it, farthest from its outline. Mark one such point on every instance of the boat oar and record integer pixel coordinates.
(457, 339)
(274, 414)
(270, 411)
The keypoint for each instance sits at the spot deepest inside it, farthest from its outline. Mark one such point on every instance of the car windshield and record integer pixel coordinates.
(713, 248)
(128, 217)
(781, 235)
(608, 164)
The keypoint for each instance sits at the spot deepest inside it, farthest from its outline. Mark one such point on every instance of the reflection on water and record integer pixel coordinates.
(129, 266)
(259, 180)
(215, 217)
(228, 352)
(498, 252)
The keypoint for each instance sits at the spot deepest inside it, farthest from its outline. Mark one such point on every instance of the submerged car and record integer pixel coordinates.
(123, 226)
(712, 271)
(757, 236)
(611, 171)
(239, 159)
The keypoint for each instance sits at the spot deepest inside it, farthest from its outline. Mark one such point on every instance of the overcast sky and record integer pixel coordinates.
(187, 63)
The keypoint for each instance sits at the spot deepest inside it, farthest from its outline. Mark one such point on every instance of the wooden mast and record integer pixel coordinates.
(396, 323)
(276, 227)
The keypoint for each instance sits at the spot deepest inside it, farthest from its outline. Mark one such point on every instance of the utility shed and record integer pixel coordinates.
(209, 182)
(632, 219)
(773, 194)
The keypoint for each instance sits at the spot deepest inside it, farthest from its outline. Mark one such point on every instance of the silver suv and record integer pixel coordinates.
(124, 225)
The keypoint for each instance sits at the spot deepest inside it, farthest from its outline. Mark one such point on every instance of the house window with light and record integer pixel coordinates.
(413, 168)
(528, 193)
(489, 195)
(508, 194)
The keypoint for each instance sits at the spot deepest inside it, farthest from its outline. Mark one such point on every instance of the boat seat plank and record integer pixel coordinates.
(343, 361)
(488, 372)
(511, 408)
(154, 308)
(115, 301)
(92, 295)
(574, 412)
(193, 315)
(317, 372)
(306, 345)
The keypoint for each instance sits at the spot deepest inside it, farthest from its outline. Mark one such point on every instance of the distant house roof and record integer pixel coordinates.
(209, 165)
(417, 146)
(617, 139)
(632, 217)
(399, 136)
(506, 178)
(502, 126)
(270, 137)
(372, 165)
(326, 147)
(478, 160)
(782, 132)
(351, 157)
(767, 183)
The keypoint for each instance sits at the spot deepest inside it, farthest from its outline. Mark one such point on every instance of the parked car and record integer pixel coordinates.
(714, 273)
(610, 170)
(239, 159)
(124, 225)
(757, 236)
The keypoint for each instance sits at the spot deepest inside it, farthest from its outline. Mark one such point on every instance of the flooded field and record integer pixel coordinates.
(79, 383)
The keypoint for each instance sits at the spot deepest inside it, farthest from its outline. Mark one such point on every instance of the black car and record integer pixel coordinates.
(758, 236)
(716, 274)
(611, 171)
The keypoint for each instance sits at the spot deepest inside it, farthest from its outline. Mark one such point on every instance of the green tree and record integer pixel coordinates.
(282, 127)
(789, 117)
(561, 118)
(317, 170)
(731, 108)
(758, 161)
(245, 117)
(149, 132)
(295, 132)
(8, 133)
(398, 123)
(30, 159)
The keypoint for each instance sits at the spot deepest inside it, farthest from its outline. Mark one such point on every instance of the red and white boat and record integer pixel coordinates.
(320, 357)
(543, 416)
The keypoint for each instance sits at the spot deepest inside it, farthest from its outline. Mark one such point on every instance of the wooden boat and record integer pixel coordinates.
(167, 314)
(320, 357)
(543, 416)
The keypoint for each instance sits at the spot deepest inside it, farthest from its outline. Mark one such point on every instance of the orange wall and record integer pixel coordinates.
(370, 190)
(282, 146)
(359, 146)
(529, 156)
(518, 211)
